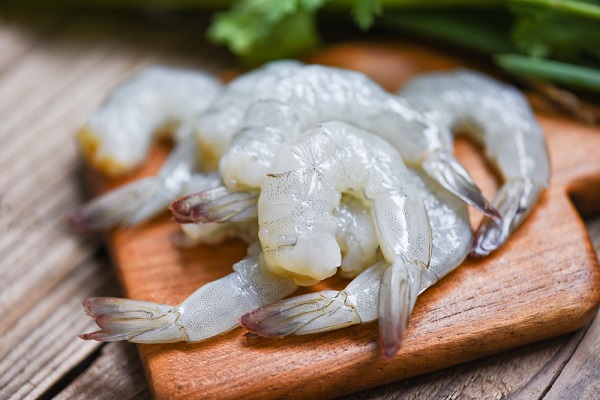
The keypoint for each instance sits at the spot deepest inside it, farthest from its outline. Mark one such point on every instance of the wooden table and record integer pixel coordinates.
(54, 69)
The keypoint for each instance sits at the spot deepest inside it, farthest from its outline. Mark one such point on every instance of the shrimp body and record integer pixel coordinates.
(356, 236)
(261, 110)
(117, 136)
(216, 307)
(304, 185)
(297, 228)
(326, 194)
(359, 301)
(209, 311)
(499, 118)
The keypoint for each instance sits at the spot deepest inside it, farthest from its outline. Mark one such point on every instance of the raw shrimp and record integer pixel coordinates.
(297, 227)
(217, 306)
(272, 105)
(397, 210)
(211, 310)
(498, 117)
(358, 302)
(269, 105)
(117, 137)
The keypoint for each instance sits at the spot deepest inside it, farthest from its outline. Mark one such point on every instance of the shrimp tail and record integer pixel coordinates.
(397, 298)
(211, 310)
(445, 169)
(320, 312)
(215, 205)
(306, 314)
(133, 320)
(124, 206)
(514, 201)
(145, 198)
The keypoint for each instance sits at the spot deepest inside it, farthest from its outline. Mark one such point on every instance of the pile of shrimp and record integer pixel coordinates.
(320, 170)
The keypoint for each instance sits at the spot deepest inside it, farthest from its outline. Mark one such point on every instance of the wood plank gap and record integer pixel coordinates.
(69, 377)
(43, 345)
(570, 351)
(117, 374)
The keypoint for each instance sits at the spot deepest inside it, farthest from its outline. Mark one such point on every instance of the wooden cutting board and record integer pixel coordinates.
(544, 282)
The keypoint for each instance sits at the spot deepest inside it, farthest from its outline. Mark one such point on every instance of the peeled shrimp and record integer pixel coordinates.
(211, 310)
(498, 117)
(359, 301)
(283, 99)
(216, 307)
(303, 178)
(264, 108)
(117, 137)
(297, 228)
(365, 162)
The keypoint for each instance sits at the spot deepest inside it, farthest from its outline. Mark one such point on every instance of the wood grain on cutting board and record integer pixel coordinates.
(545, 281)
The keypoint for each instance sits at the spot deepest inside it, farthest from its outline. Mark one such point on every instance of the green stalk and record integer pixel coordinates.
(578, 8)
(484, 36)
(562, 73)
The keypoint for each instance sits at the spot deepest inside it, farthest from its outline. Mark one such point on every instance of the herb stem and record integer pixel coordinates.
(483, 36)
(562, 73)
(578, 8)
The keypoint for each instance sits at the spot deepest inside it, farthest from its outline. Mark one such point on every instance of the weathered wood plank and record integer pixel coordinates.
(18, 39)
(116, 374)
(580, 378)
(42, 345)
(49, 82)
(44, 98)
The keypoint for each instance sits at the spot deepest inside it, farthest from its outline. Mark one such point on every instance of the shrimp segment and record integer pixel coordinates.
(296, 224)
(209, 311)
(498, 117)
(359, 301)
(117, 138)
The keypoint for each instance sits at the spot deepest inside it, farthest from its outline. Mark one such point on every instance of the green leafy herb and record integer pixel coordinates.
(261, 30)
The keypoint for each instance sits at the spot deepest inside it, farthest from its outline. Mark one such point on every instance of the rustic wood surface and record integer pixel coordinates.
(54, 69)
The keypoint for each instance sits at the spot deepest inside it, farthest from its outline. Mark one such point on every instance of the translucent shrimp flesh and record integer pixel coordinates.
(216, 307)
(359, 301)
(333, 195)
(297, 227)
(356, 163)
(117, 137)
(499, 118)
(211, 310)
(261, 110)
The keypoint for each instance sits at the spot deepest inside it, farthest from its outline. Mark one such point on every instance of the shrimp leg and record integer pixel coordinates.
(498, 117)
(209, 311)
